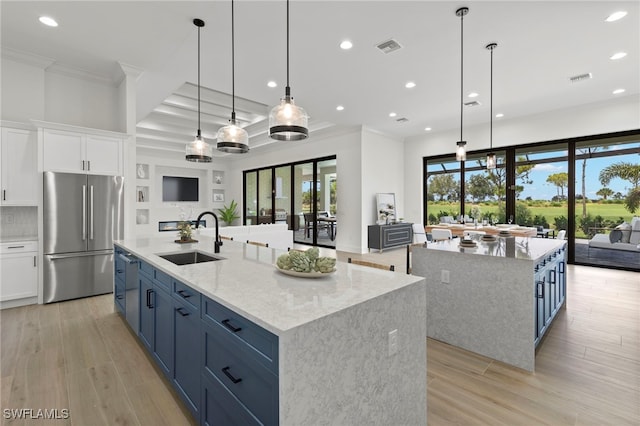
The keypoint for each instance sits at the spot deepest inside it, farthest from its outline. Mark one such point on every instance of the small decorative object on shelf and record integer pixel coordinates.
(184, 232)
(218, 179)
(142, 173)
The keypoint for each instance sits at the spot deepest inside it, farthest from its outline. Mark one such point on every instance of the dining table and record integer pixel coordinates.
(331, 223)
(460, 229)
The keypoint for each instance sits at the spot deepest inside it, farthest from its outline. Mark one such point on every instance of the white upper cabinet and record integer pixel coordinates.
(74, 152)
(19, 159)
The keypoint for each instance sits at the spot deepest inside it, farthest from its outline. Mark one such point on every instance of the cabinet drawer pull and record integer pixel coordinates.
(119, 296)
(182, 312)
(119, 271)
(149, 305)
(4, 195)
(35, 264)
(184, 294)
(540, 289)
(225, 370)
(230, 327)
(15, 247)
(552, 278)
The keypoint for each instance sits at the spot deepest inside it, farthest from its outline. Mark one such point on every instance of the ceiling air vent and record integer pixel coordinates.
(581, 77)
(402, 119)
(388, 46)
(472, 103)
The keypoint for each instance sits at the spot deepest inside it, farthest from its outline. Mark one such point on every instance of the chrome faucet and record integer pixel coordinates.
(218, 242)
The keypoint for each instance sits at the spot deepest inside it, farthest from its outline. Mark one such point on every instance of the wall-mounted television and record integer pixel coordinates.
(178, 188)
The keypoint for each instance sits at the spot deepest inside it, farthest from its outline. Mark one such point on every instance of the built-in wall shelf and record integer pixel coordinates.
(218, 185)
(142, 216)
(142, 171)
(142, 194)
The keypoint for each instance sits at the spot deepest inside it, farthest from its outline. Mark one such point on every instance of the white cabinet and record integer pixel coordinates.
(19, 177)
(18, 270)
(73, 152)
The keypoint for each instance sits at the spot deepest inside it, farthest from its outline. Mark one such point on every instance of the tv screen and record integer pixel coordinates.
(177, 188)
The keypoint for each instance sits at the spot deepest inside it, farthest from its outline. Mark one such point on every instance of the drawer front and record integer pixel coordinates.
(186, 294)
(145, 268)
(233, 364)
(118, 295)
(221, 408)
(120, 268)
(395, 235)
(18, 247)
(263, 343)
(163, 280)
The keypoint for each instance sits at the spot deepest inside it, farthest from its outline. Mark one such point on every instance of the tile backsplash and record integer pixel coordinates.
(18, 222)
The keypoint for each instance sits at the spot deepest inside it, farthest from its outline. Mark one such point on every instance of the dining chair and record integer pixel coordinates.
(441, 234)
(224, 237)
(311, 223)
(419, 234)
(258, 243)
(561, 234)
(371, 264)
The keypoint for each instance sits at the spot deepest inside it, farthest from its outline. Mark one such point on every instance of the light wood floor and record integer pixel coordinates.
(80, 355)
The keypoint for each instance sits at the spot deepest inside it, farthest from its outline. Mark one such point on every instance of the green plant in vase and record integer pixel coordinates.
(184, 230)
(229, 213)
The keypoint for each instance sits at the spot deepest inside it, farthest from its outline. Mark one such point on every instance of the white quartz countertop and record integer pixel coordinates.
(522, 248)
(247, 282)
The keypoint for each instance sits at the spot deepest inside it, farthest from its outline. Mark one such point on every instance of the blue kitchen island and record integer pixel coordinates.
(242, 343)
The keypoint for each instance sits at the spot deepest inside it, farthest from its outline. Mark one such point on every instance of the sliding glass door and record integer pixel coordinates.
(303, 195)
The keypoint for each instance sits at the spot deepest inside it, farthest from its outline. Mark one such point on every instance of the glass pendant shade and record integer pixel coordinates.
(199, 151)
(287, 121)
(233, 139)
(461, 154)
(491, 161)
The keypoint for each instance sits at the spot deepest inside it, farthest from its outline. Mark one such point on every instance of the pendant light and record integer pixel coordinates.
(491, 156)
(461, 154)
(198, 151)
(233, 138)
(287, 121)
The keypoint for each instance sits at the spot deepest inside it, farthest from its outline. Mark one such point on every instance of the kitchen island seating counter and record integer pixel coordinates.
(318, 350)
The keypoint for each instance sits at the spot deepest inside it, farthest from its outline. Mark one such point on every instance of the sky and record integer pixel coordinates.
(541, 190)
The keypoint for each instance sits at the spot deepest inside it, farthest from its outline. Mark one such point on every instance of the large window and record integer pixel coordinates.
(580, 189)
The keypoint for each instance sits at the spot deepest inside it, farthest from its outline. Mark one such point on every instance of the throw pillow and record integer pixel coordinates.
(635, 237)
(626, 231)
(615, 236)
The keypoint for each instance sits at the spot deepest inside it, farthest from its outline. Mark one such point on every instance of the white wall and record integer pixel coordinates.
(347, 149)
(619, 114)
(382, 171)
(22, 91)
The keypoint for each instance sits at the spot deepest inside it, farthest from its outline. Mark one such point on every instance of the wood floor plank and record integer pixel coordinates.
(115, 405)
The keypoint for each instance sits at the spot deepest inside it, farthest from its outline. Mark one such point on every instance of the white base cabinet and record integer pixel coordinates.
(18, 270)
(19, 175)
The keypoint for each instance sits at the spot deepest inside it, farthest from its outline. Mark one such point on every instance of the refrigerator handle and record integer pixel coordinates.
(84, 212)
(91, 212)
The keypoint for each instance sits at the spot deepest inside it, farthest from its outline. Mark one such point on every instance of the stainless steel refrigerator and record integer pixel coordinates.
(83, 214)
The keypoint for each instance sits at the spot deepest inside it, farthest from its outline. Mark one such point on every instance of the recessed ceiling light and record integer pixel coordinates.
(410, 85)
(272, 84)
(499, 115)
(616, 15)
(618, 91)
(427, 129)
(340, 108)
(48, 21)
(618, 55)
(346, 45)
(473, 95)
(392, 114)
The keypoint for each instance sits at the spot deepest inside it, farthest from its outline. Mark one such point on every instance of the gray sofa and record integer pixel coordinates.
(630, 244)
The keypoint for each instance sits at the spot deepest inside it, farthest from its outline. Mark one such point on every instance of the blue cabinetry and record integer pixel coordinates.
(550, 287)
(223, 366)
(187, 346)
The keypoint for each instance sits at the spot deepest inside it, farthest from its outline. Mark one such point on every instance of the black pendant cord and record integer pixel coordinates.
(233, 68)
(199, 133)
(491, 103)
(461, 70)
(287, 90)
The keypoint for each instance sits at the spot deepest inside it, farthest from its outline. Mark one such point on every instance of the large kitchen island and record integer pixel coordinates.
(498, 298)
(242, 343)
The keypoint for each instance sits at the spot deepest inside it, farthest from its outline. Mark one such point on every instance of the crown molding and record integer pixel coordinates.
(27, 58)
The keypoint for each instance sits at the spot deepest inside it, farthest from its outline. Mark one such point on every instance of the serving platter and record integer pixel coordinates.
(305, 274)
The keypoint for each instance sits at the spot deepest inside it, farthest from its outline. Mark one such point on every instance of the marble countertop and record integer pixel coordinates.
(523, 248)
(247, 282)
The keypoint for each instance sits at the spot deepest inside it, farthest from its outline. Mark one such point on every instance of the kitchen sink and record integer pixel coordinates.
(188, 257)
